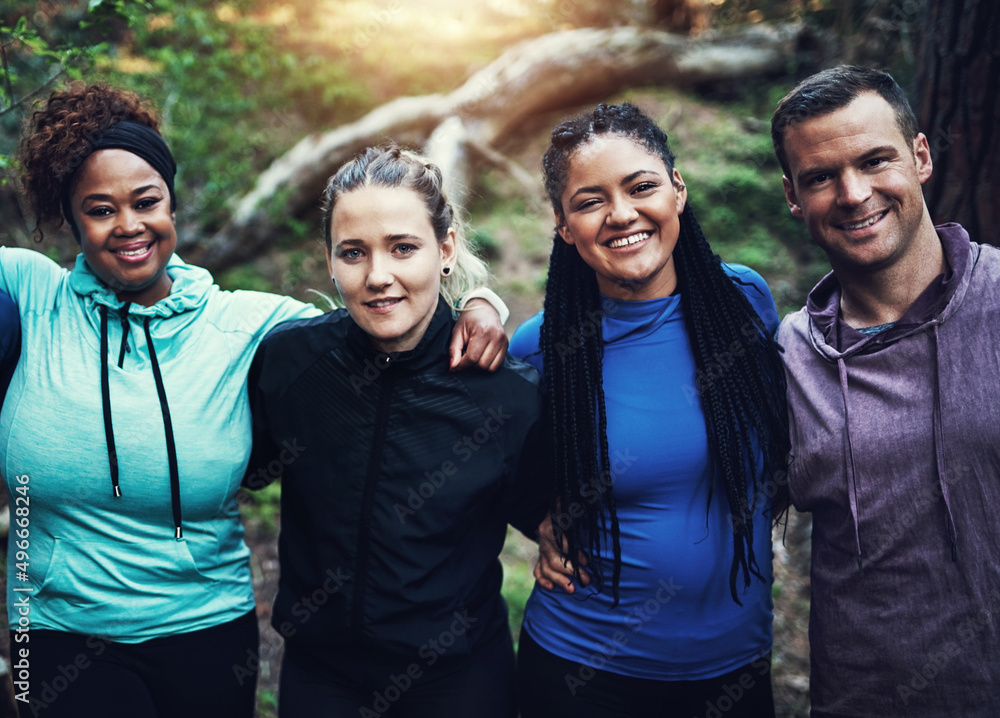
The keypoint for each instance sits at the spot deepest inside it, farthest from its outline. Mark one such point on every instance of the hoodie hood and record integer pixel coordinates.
(190, 285)
(833, 338)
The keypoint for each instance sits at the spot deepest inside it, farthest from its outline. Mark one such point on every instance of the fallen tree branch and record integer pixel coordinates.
(557, 71)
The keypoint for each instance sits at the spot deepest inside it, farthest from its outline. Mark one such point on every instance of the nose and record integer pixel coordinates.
(129, 223)
(379, 273)
(621, 212)
(854, 189)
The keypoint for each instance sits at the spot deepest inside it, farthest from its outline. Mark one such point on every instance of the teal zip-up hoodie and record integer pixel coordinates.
(112, 566)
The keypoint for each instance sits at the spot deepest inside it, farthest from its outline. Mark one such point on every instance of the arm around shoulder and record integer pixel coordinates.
(27, 275)
(260, 312)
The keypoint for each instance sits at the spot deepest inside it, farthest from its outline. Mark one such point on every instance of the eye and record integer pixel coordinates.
(644, 187)
(587, 204)
(404, 249)
(147, 202)
(350, 253)
(875, 162)
(101, 211)
(818, 179)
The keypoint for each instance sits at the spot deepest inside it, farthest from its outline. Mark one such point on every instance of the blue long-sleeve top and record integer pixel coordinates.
(10, 341)
(676, 619)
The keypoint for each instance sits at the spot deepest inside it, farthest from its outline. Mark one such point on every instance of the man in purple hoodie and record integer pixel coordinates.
(894, 400)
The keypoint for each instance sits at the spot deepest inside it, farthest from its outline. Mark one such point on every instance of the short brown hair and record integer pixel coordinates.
(832, 89)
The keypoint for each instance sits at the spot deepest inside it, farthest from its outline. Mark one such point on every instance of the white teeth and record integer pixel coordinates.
(132, 252)
(382, 302)
(866, 223)
(625, 241)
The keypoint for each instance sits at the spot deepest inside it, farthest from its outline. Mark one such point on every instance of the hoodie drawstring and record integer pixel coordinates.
(938, 430)
(125, 329)
(175, 487)
(852, 479)
(168, 430)
(939, 447)
(109, 432)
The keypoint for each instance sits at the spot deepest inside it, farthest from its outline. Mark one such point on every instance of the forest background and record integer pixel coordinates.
(261, 100)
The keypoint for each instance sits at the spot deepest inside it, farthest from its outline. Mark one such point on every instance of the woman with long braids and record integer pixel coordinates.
(125, 434)
(665, 396)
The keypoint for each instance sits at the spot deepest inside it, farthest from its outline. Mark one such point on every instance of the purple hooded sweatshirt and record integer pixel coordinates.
(896, 452)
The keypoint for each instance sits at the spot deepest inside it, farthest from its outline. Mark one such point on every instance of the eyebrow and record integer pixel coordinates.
(625, 180)
(874, 152)
(107, 198)
(388, 239)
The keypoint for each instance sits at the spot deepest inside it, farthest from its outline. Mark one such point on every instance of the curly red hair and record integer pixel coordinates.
(58, 138)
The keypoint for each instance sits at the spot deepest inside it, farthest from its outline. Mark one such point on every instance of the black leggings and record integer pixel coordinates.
(381, 686)
(551, 687)
(210, 673)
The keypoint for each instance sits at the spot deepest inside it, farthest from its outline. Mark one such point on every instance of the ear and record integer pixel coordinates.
(562, 229)
(449, 250)
(922, 154)
(680, 189)
(790, 197)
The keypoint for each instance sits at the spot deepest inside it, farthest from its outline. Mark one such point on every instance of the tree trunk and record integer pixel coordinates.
(557, 71)
(958, 77)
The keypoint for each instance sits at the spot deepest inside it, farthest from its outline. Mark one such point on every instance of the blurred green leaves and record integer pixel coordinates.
(235, 89)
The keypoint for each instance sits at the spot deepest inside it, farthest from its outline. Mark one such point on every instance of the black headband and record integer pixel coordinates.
(140, 140)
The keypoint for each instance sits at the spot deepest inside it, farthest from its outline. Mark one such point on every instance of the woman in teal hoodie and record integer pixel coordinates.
(125, 434)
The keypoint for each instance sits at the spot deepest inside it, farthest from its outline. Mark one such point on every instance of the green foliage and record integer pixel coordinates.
(261, 508)
(235, 90)
(267, 703)
(244, 277)
(234, 94)
(32, 62)
(484, 244)
(518, 559)
(734, 186)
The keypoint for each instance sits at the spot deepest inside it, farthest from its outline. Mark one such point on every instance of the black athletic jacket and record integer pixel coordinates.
(399, 479)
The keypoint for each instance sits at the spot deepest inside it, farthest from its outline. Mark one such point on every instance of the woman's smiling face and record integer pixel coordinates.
(621, 209)
(121, 206)
(387, 263)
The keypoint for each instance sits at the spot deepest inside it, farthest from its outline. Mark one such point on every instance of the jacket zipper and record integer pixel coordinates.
(367, 506)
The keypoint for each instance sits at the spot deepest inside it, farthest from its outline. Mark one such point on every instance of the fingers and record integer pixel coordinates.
(478, 340)
(455, 348)
(501, 351)
(540, 578)
(475, 347)
(487, 346)
(494, 353)
(552, 569)
(549, 576)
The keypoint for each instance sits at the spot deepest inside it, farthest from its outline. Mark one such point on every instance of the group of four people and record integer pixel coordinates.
(652, 454)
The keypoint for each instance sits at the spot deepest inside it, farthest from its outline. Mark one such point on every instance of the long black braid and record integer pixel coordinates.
(739, 377)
